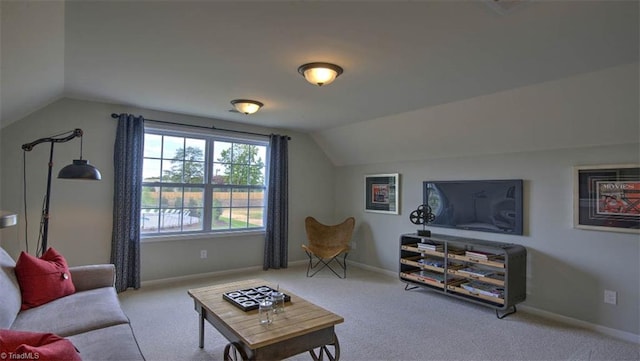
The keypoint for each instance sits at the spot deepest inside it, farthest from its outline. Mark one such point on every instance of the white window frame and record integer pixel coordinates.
(209, 136)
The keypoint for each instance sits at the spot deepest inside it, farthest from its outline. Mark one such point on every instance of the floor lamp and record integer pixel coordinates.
(79, 169)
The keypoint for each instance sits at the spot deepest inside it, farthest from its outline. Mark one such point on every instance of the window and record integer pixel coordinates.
(195, 183)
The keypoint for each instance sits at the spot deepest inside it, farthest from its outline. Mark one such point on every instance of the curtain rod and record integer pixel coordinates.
(116, 116)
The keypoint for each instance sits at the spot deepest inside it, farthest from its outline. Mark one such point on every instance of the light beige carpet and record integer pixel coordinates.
(382, 322)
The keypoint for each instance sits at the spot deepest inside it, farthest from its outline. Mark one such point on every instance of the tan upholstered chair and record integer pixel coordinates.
(326, 243)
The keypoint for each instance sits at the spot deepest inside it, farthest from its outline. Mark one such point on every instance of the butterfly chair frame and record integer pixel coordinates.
(326, 244)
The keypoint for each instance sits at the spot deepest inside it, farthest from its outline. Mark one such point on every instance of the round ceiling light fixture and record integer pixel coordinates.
(320, 73)
(246, 106)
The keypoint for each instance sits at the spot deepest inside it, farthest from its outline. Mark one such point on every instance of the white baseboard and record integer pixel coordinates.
(374, 269)
(197, 276)
(298, 263)
(620, 335)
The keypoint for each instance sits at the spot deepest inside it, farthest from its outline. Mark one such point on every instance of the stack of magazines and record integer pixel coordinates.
(434, 262)
(432, 276)
(479, 272)
(430, 246)
(484, 288)
(480, 255)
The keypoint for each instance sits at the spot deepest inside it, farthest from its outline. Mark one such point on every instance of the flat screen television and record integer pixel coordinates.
(478, 205)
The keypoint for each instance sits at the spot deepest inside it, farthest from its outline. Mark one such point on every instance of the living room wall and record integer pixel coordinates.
(567, 269)
(81, 212)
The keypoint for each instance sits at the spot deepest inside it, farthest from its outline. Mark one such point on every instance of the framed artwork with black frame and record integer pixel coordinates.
(382, 193)
(607, 198)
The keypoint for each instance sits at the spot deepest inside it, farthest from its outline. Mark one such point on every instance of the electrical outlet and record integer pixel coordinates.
(610, 297)
(203, 253)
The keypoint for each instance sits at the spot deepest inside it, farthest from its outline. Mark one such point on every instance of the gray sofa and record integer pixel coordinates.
(91, 318)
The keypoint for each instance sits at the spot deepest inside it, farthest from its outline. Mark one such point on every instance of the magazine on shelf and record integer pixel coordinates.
(431, 276)
(431, 246)
(480, 255)
(484, 288)
(433, 262)
(477, 271)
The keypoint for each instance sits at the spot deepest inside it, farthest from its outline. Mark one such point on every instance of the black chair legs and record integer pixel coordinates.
(326, 264)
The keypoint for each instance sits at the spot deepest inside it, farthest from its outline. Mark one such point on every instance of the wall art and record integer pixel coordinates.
(382, 193)
(607, 198)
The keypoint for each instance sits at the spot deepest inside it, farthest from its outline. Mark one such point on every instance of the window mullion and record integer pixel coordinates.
(208, 188)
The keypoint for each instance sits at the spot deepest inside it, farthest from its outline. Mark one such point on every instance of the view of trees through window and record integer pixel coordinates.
(202, 184)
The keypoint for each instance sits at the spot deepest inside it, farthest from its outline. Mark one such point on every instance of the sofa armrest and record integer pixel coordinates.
(93, 276)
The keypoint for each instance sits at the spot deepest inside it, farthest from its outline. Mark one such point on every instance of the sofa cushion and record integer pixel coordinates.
(73, 314)
(93, 276)
(43, 279)
(9, 289)
(116, 343)
(36, 346)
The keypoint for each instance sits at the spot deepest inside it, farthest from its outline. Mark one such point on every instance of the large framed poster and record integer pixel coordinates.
(381, 193)
(607, 198)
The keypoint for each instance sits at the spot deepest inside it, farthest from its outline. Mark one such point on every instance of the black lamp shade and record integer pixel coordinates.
(80, 169)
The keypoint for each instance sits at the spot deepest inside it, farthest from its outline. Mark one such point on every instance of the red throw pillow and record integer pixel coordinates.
(20, 345)
(43, 279)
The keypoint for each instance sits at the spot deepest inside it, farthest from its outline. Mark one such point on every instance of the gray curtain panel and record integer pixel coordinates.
(276, 238)
(125, 240)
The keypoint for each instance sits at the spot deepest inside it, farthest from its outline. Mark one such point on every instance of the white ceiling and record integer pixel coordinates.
(195, 57)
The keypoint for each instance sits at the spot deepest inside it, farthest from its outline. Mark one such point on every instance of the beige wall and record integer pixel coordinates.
(583, 110)
(81, 212)
(568, 269)
(33, 75)
(80, 220)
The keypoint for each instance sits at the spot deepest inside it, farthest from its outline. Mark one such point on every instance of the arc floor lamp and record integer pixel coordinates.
(79, 169)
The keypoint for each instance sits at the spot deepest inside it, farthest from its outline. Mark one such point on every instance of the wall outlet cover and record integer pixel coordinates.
(610, 297)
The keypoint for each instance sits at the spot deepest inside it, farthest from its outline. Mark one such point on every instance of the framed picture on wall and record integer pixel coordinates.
(382, 193)
(607, 198)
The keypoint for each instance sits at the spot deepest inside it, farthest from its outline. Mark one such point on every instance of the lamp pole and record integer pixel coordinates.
(45, 211)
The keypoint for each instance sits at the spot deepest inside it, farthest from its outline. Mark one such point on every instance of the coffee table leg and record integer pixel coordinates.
(327, 350)
(201, 327)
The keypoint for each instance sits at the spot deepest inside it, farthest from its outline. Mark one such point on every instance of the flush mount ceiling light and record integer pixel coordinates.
(320, 73)
(246, 106)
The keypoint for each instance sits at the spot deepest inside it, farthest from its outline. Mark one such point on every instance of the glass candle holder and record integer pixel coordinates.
(277, 298)
(265, 311)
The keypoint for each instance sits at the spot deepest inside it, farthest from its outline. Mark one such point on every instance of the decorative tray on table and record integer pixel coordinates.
(248, 299)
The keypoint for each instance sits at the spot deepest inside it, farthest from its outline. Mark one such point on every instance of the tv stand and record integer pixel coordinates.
(487, 273)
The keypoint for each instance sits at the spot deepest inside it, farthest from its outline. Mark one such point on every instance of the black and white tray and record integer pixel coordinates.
(248, 299)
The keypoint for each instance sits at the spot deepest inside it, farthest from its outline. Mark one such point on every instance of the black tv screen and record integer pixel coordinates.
(478, 205)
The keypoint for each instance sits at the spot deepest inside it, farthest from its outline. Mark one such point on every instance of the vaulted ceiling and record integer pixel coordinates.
(195, 57)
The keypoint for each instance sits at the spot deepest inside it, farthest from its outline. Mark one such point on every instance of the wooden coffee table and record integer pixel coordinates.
(303, 326)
